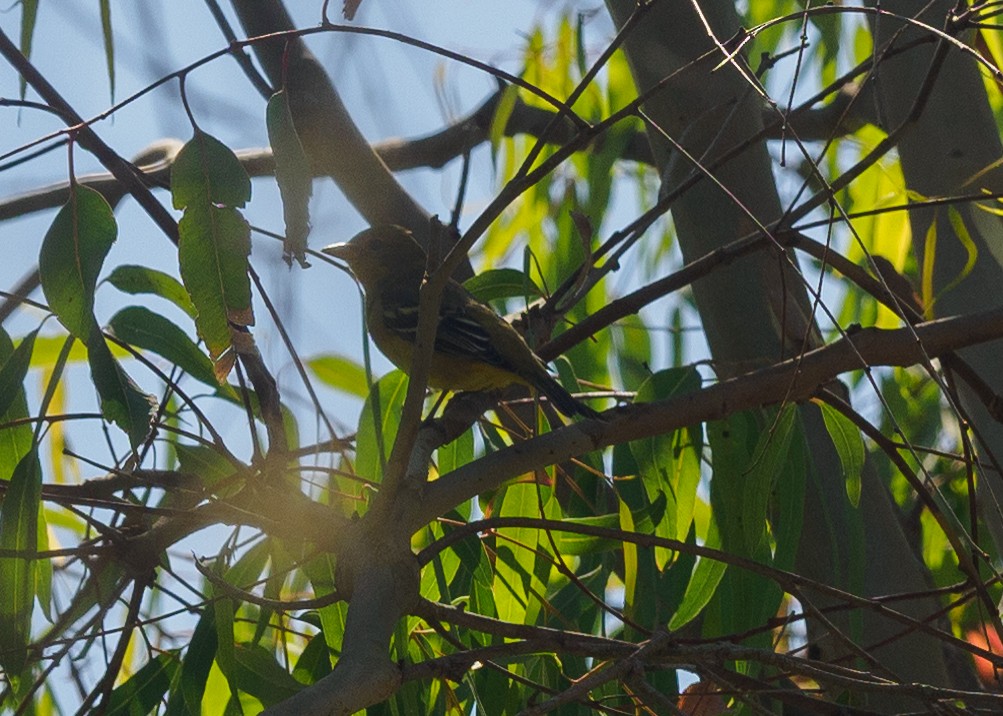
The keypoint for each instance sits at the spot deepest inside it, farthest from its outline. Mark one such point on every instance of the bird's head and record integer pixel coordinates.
(380, 253)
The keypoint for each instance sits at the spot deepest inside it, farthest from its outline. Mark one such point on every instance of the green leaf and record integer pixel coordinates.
(340, 373)
(503, 112)
(122, 402)
(259, 674)
(516, 578)
(972, 251)
(43, 570)
(669, 464)
(214, 245)
(73, 250)
(502, 283)
(701, 588)
(206, 172)
(849, 446)
(733, 445)
(16, 440)
(188, 690)
(109, 45)
(314, 662)
(14, 369)
(207, 464)
(378, 425)
(222, 619)
(142, 328)
(293, 174)
(768, 460)
(144, 690)
(135, 280)
(29, 15)
(208, 182)
(457, 453)
(19, 533)
(573, 543)
(629, 555)
(333, 617)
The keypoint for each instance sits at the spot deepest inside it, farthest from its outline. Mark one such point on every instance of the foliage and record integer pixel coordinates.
(498, 557)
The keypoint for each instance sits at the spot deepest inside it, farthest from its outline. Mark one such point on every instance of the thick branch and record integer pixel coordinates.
(793, 380)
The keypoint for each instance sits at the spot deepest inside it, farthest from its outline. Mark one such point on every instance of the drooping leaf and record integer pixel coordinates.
(456, 453)
(378, 424)
(122, 402)
(849, 446)
(732, 441)
(630, 561)
(73, 250)
(701, 588)
(770, 455)
(293, 174)
(333, 616)
(135, 280)
(109, 45)
(209, 183)
(15, 439)
(142, 328)
(29, 15)
(214, 246)
(499, 121)
(14, 368)
(971, 249)
(670, 464)
(205, 172)
(19, 533)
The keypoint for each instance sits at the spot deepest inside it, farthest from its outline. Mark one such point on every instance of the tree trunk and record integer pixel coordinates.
(757, 310)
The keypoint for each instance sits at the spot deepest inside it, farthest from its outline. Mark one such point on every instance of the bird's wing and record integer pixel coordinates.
(466, 327)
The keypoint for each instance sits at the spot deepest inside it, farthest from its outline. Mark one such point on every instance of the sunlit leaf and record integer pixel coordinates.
(144, 690)
(122, 401)
(701, 588)
(378, 425)
(14, 368)
(136, 280)
(501, 284)
(340, 372)
(142, 328)
(209, 183)
(259, 674)
(670, 464)
(206, 171)
(19, 533)
(73, 250)
(188, 690)
(503, 112)
(849, 446)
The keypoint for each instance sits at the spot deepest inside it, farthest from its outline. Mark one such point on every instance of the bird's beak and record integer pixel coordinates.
(344, 251)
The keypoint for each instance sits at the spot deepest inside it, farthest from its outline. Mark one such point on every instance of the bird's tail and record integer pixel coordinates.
(562, 399)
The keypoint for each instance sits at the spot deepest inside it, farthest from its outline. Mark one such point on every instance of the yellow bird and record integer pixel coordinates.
(475, 348)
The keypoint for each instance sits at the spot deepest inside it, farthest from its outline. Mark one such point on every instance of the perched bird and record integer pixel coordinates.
(475, 348)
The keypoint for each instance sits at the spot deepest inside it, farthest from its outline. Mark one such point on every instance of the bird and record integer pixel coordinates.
(475, 349)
